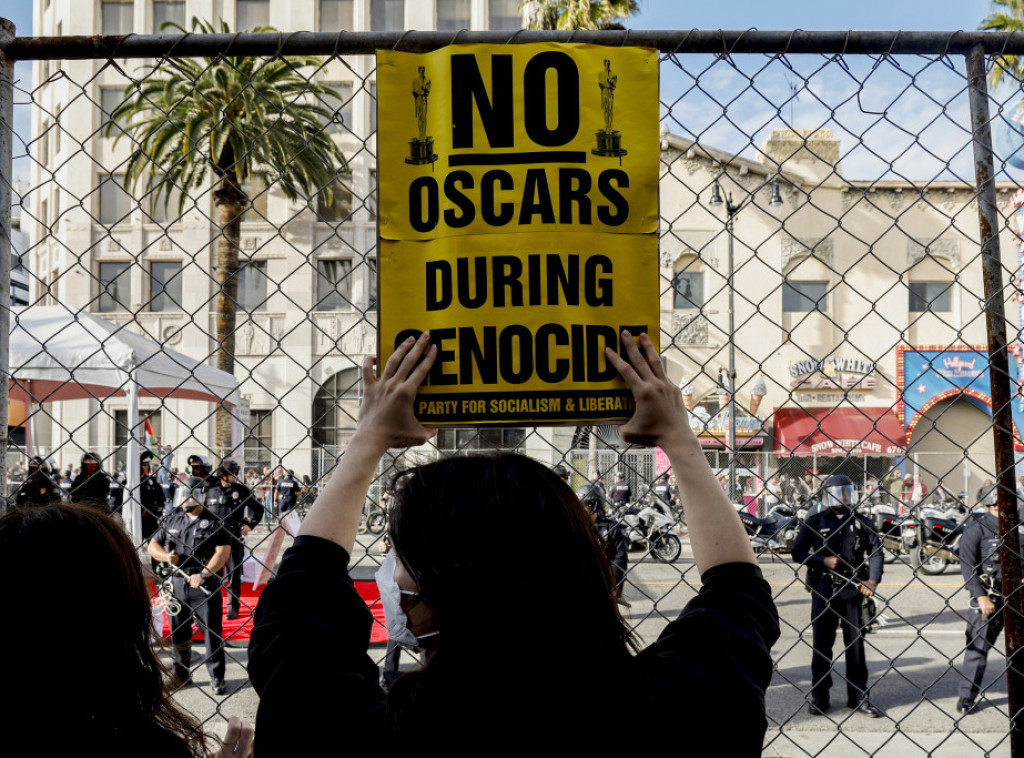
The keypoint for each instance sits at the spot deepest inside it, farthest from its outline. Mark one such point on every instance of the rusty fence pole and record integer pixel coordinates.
(999, 373)
(6, 248)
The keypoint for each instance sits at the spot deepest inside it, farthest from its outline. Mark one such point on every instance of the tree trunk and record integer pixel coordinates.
(229, 201)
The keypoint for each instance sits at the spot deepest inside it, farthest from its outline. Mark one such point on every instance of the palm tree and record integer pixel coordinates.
(1009, 20)
(576, 14)
(229, 120)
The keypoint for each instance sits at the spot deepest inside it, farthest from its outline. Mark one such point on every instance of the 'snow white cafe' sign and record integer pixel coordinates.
(834, 373)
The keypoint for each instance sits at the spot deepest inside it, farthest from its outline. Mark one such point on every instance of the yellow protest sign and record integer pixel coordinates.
(518, 218)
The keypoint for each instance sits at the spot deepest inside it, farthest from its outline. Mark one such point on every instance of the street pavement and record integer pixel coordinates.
(913, 663)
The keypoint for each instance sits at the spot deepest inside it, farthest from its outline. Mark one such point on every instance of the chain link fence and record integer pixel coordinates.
(825, 284)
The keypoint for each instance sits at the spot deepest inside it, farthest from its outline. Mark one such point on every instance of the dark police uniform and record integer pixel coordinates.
(835, 597)
(665, 492)
(38, 489)
(979, 565)
(195, 540)
(620, 493)
(151, 497)
(287, 494)
(235, 507)
(95, 487)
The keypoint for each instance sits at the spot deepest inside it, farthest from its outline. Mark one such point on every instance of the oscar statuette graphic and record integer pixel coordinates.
(609, 141)
(421, 148)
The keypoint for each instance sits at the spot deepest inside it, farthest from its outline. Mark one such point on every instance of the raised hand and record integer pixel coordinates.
(387, 409)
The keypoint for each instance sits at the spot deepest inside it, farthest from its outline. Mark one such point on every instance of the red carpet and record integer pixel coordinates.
(238, 630)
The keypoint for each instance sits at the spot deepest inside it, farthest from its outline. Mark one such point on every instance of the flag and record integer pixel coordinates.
(152, 440)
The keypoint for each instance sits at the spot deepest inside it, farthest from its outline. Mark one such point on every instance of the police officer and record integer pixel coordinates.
(844, 558)
(620, 492)
(612, 538)
(286, 493)
(38, 488)
(982, 573)
(199, 467)
(151, 496)
(92, 483)
(232, 502)
(193, 541)
(664, 490)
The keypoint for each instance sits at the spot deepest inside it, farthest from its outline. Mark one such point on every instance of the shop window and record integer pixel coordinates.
(504, 16)
(115, 286)
(165, 286)
(335, 15)
(935, 297)
(688, 289)
(804, 296)
(453, 15)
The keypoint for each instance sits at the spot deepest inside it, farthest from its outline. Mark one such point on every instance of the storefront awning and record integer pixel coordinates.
(839, 431)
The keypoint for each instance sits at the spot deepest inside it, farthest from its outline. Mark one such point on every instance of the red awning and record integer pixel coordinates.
(839, 431)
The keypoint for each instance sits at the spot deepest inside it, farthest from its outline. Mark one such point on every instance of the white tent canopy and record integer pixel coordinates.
(58, 354)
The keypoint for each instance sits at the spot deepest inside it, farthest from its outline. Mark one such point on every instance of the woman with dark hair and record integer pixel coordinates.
(79, 674)
(526, 643)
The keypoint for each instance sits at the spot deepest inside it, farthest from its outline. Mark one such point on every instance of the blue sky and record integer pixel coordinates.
(920, 132)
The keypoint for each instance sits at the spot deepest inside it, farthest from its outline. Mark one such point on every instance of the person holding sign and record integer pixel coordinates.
(511, 661)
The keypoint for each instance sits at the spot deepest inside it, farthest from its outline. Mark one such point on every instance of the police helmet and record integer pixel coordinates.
(230, 466)
(664, 477)
(145, 457)
(290, 473)
(193, 488)
(199, 466)
(590, 496)
(839, 492)
(90, 460)
(561, 472)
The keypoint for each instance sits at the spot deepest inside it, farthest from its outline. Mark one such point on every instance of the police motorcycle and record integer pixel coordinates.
(776, 532)
(896, 532)
(935, 544)
(647, 523)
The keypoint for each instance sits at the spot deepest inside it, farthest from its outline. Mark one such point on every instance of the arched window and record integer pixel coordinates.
(688, 283)
(336, 409)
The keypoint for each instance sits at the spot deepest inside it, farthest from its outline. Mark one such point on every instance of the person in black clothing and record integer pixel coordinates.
(612, 538)
(92, 482)
(232, 502)
(461, 583)
(194, 541)
(38, 488)
(982, 573)
(664, 490)
(151, 496)
(843, 555)
(286, 493)
(620, 492)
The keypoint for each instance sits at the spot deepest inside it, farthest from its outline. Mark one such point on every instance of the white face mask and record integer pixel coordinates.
(391, 599)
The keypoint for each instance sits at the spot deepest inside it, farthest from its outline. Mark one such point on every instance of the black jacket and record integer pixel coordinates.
(86, 487)
(979, 552)
(38, 489)
(851, 537)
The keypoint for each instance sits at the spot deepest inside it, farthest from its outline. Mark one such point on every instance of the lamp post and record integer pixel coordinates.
(731, 209)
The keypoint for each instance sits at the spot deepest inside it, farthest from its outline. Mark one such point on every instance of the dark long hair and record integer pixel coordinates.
(505, 553)
(76, 632)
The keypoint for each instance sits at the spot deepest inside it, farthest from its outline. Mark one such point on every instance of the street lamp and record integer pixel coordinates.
(731, 209)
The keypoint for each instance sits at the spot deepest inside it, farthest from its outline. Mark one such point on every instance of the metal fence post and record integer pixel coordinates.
(6, 184)
(999, 372)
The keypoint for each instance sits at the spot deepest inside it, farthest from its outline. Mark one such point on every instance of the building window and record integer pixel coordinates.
(804, 297)
(259, 444)
(256, 190)
(117, 16)
(371, 195)
(115, 203)
(371, 284)
(688, 289)
(165, 286)
(252, 286)
(56, 132)
(341, 108)
(470, 440)
(111, 99)
(168, 12)
(335, 15)
(387, 15)
(504, 16)
(253, 14)
(333, 284)
(373, 108)
(935, 297)
(336, 408)
(336, 207)
(453, 15)
(163, 202)
(115, 287)
(121, 433)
